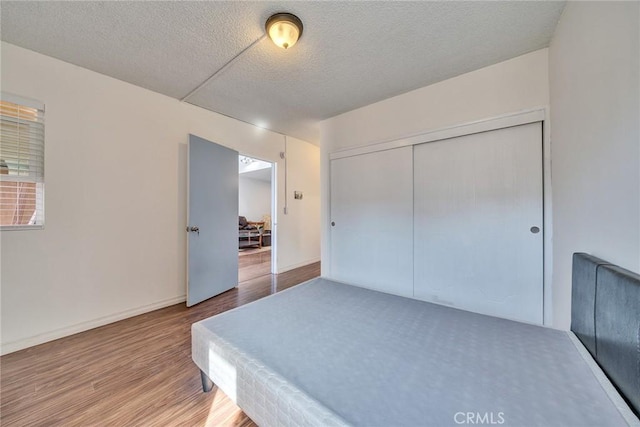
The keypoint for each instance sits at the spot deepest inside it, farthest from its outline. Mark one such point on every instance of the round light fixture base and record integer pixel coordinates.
(284, 29)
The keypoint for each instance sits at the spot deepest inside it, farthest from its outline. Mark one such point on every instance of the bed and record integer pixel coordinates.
(329, 354)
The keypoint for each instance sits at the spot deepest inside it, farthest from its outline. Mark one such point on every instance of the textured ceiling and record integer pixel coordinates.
(254, 166)
(351, 53)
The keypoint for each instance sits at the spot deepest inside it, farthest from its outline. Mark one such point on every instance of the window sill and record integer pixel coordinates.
(20, 227)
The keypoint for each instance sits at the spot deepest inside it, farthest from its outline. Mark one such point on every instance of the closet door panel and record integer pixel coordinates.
(477, 199)
(372, 209)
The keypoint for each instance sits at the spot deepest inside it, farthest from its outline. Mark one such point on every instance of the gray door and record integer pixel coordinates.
(212, 220)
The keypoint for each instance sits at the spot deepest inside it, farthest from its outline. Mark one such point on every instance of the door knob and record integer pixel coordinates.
(193, 230)
(535, 230)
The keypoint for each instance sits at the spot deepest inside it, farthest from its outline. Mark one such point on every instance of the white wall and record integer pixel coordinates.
(509, 86)
(114, 243)
(517, 84)
(595, 97)
(254, 199)
(304, 175)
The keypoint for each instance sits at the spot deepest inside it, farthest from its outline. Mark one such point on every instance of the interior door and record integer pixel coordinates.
(371, 214)
(212, 219)
(478, 222)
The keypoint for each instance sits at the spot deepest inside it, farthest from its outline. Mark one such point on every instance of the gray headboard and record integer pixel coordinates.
(605, 316)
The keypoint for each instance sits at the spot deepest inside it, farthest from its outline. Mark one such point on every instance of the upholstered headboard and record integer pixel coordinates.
(605, 316)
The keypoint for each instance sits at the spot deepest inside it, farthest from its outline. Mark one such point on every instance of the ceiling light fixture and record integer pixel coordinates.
(246, 160)
(284, 29)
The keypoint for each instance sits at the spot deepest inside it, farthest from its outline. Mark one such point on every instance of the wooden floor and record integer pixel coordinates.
(136, 372)
(254, 263)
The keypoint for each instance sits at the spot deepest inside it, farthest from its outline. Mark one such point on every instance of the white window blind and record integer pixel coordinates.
(21, 163)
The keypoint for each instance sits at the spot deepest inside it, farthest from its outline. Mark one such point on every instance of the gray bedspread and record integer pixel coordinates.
(374, 359)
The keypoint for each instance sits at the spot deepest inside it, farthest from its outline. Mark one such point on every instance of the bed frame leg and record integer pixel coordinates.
(207, 384)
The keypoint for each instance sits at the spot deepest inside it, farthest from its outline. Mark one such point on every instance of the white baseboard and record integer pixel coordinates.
(298, 265)
(10, 347)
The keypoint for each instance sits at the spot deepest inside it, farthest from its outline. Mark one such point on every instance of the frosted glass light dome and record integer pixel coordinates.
(284, 29)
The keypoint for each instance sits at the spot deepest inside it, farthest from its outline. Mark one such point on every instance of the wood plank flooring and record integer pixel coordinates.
(254, 263)
(136, 372)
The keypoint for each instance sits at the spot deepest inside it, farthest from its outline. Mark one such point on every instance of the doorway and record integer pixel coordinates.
(255, 222)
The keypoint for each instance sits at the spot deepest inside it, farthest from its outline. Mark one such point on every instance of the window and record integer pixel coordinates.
(21, 163)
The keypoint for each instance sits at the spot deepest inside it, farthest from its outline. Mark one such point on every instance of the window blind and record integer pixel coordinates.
(21, 162)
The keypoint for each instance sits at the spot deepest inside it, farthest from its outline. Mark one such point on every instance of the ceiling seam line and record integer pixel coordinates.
(240, 120)
(221, 69)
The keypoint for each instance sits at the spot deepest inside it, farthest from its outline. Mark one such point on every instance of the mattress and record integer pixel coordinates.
(326, 353)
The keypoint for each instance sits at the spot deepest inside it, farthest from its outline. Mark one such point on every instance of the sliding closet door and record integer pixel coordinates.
(371, 214)
(478, 222)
